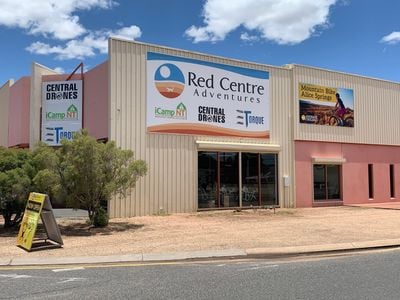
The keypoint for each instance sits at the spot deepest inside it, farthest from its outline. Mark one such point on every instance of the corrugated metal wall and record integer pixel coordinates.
(171, 183)
(376, 108)
(4, 112)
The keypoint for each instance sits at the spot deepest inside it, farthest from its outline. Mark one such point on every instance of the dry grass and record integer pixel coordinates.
(227, 229)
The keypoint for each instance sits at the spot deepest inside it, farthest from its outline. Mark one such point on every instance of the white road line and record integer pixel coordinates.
(14, 276)
(69, 269)
(71, 280)
(56, 294)
(260, 267)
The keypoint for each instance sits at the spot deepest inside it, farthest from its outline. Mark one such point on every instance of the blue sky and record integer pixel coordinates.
(355, 36)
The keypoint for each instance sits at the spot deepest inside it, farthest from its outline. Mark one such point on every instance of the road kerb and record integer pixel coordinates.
(237, 253)
(203, 254)
(377, 243)
(23, 261)
(315, 249)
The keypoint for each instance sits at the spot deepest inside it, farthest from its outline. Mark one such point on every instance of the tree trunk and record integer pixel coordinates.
(90, 214)
(9, 221)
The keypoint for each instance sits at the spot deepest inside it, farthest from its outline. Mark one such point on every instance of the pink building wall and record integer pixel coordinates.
(18, 125)
(354, 181)
(95, 116)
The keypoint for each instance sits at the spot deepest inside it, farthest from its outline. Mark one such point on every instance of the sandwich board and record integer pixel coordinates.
(38, 205)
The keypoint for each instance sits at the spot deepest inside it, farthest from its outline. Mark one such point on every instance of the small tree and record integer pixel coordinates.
(21, 172)
(89, 172)
(45, 162)
(16, 174)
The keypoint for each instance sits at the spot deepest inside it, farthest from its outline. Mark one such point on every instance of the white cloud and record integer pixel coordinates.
(392, 38)
(282, 21)
(130, 33)
(249, 38)
(59, 70)
(54, 18)
(73, 49)
(91, 44)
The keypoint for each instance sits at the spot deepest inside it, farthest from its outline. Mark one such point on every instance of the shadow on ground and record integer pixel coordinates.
(8, 232)
(80, 228)
(84, 229)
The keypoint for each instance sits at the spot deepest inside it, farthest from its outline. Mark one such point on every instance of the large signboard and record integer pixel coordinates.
(30, 220)
(199, 97)
(61, 110)
(323, 105)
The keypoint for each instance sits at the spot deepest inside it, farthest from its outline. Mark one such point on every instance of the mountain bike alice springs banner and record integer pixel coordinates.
(321, 105)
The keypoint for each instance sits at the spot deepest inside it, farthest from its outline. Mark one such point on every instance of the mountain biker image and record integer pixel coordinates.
(340, 108)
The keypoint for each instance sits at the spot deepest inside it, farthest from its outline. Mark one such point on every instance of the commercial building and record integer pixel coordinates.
(221, 133)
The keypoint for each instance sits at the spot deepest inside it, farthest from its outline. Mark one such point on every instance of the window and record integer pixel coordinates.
(208, 180)
(250, 179)
(327, 182)
(269, 183)
(370, 181)
(259, 184)
(228, 179)
(391, 174)
(234, 179)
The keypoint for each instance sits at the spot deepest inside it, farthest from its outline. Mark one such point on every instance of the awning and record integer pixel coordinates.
(328, 160)
(237, 146)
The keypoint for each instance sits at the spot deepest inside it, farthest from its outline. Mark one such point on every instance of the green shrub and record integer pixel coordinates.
(100, 218)
(16, 173)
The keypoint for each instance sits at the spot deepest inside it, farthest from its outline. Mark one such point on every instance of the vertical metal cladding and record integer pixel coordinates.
(376, 108)
(171, 183)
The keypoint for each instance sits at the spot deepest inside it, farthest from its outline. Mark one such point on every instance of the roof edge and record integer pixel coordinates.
(198, 53)
(293, 66)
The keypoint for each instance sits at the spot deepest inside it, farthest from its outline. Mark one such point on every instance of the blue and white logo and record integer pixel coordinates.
(54, 135)
(245, 118)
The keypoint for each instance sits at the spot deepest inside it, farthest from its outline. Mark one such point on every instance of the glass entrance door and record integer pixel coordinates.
(208, 179)
(250, 179)
(259, 179)
(229, 179)
(269, 182)
(326, 182)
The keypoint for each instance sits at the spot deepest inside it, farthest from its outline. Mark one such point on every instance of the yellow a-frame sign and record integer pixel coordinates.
(38, 205)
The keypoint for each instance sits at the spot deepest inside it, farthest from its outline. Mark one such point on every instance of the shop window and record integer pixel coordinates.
(327, 182)
(229, 179)
(268, 177)
(391, 174)
(218, 179)
(220, 173)
(208, 180)
(370, 181)
(250, 179)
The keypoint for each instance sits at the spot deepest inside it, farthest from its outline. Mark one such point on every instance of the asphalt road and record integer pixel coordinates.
(362, 276)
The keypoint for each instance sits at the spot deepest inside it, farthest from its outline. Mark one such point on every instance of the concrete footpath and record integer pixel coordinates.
(222, 234)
